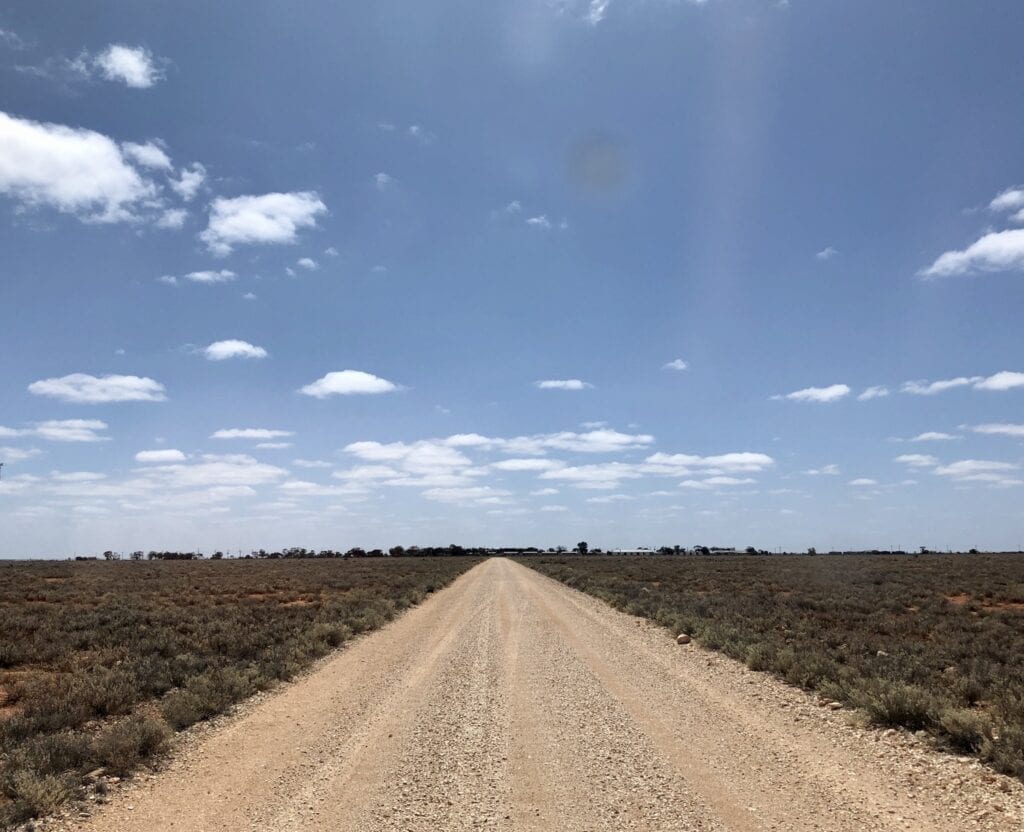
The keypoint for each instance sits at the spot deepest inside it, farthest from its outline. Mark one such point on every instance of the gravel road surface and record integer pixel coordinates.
(510, 702)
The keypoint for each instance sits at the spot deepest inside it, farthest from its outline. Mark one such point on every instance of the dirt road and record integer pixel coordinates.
(510, 702)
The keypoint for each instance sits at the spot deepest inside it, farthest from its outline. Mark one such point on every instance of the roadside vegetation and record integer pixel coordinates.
(101, 662)
(926, 643)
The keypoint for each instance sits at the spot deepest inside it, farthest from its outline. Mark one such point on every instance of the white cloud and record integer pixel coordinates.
(172, 219)
(383, 181)
(926, 388)
(596, 11)
(274, 446)
(214, 470)
(676, 364)
(347, 383)
(544, 492)
(331, 251)
(602, 475)
(830, 470)
(223, 350)
(564, 384)
(1000, 429)
(421, 134)
(70, 430)
(250, 433)
(8, 454)
(81, 388)
(73, 170)
(917, 460)
(77, 476)
(534, 464)
(540, 221)
(468, 494)
(997, 251)
(876, 392)
(680, 464)
(149, 155)
(716, 482)
(372, 473)
(514, 207)
(980, 470)
(1012, 199)
(602, 440)
(211, 276)
(12, 39)
(268, 218)
(831, 393)
(1001, 381)
(553, 508)
(933, 436)
(161, 456)
(189, 181)
(310, 463)
(863, 481)
(611, 498)
(827, 253)
(308, 263)
(132, 65)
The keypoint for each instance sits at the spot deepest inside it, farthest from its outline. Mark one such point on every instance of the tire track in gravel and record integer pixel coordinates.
(510, 702)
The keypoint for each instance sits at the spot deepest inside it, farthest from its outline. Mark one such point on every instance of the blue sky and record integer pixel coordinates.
(276, 277)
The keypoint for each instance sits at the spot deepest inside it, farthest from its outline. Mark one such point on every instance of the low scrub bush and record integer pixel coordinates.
(100, 662)
(923, 643)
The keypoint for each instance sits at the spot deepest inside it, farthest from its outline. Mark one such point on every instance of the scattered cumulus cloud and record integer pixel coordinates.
(172, 219)
(830, 470)
(832, 393)
(421, 134)
(981, 471)
(564, 384)
(917, 460)
(134, 66)
(223, 350)
(149, 155)
(61, 430)
(274, 218)
(1005, 380)
(383, 181)
(933, 436)
(189, 181)
(308, 263)
(863, 482)
(1010, 201)
(250, 433)
(997, 251)
(347, 383)
(827, 253)
(71, 169)
(1000, 429)
(160, 456)
(676, 364)
(530, 464)
(81, 388)
(876, 392)
(9, 454)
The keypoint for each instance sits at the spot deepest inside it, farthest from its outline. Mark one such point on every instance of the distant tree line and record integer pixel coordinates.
(454, 550)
